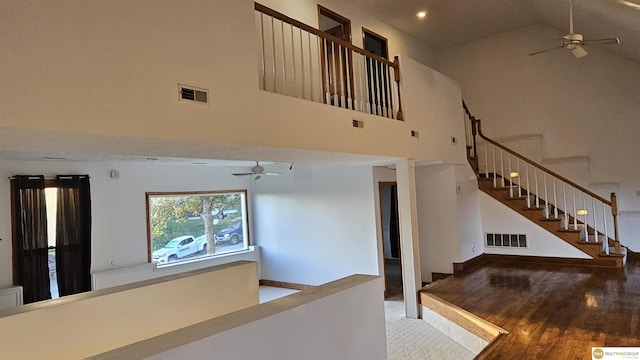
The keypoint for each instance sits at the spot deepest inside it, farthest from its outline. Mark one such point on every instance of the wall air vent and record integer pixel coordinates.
(357, 123)
(506, 240)
(190, 93)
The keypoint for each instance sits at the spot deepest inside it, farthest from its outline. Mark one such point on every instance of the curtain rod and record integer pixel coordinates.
(52, 177)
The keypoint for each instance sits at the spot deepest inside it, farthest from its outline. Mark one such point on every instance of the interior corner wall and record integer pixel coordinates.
(499, 219)
(581, 107)
(119, 223)
(438, 219)
(316, 224)
(469, 221)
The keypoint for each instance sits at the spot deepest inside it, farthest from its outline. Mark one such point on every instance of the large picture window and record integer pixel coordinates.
(189, 225)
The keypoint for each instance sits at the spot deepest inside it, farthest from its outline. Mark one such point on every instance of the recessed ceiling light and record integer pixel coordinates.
(422, 14)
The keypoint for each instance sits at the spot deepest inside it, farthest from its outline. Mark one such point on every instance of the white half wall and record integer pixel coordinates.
(340, 320)
(316, 224)
(499, 219)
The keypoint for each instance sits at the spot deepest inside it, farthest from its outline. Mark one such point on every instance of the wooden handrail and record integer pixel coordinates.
(265, 10)
(560, 177)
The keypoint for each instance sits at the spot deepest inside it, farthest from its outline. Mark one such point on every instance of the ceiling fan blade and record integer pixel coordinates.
(243, 174)
(601, 41)
(579, 52)
(271, 173)
(543, 51)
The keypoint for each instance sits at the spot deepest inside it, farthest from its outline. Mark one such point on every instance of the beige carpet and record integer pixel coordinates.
(410, 339)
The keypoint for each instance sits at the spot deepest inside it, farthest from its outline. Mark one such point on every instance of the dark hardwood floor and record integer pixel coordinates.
(551, 311)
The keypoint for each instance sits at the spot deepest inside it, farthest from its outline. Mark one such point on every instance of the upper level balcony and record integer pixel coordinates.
(298, 60)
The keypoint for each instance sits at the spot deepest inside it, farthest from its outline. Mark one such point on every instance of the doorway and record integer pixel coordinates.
(388, 192)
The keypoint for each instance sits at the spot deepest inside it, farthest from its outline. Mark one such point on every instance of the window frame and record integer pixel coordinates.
(245, 205)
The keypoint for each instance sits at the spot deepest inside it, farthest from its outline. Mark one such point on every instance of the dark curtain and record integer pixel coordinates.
(30, 237)
(394, 231)
(73, 234)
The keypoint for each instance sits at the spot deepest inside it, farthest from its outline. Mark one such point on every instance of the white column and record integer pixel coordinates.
(409, 241)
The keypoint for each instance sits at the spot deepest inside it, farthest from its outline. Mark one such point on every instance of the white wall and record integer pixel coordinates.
(316, 224)
(89, 70)
(499, 219)
(119, 223)
(581, 107)
(438, 219)
(432, 104)
(469, 222)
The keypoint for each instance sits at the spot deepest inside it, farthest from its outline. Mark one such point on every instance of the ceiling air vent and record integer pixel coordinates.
(190, 93)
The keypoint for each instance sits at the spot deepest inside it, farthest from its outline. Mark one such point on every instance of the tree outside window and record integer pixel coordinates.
(190, 225)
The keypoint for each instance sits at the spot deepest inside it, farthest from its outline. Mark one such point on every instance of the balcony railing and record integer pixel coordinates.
(300, 61)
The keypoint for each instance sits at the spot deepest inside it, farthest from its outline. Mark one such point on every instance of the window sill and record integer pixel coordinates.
(205, 260)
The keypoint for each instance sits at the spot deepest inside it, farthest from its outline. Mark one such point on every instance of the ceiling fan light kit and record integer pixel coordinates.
(575, 42)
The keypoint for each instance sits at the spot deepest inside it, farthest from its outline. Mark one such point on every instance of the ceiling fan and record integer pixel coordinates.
(575, 42)
(258, 171)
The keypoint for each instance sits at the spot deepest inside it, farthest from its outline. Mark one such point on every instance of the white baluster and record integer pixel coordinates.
(546, 196)
(595, 222)
(334, 94)
(273, 63)
(495, 171)
(327, 71)
(575, 209)
(486, 160)
(535, 172)
(566, 213)
(263, 59)
(510, 176)
(284, 60)
(605, 242)
(555, 200)
(501, 169)
(519, 179)
(528, 188)
(293, 54)
(302, 63)
(584, 207)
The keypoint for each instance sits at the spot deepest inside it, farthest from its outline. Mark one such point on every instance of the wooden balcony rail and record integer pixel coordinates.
(298, 60)
(556, 196)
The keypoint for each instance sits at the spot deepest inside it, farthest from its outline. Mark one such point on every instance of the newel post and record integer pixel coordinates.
(396, 75)
(614, 212)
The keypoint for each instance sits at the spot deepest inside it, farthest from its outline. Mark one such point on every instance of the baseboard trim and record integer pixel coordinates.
(285, 285)
(460, 269)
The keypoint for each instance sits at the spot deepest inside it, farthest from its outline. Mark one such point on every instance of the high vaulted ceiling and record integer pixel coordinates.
(455, 22)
